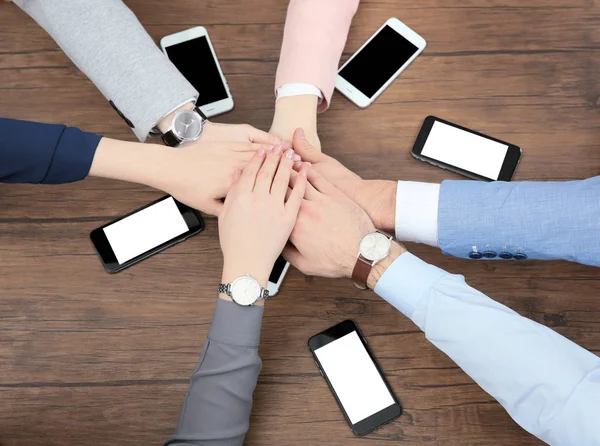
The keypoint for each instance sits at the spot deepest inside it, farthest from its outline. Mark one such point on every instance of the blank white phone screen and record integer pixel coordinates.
(145, 230)
(465, 150)
(354, 377)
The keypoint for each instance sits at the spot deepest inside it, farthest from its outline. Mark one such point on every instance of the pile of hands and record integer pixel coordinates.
(280, 196)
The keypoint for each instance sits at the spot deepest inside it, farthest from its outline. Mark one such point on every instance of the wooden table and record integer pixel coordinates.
(89, 359)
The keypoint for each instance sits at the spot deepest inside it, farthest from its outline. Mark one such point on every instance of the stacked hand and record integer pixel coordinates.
(376, 197)
(259, 214)
(202, 171)
(328, 230)
(332, 219)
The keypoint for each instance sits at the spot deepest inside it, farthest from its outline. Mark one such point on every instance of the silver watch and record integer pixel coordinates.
(244, 291)
(187, 126)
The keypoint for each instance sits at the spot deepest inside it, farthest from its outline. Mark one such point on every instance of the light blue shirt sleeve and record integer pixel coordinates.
(549, 385)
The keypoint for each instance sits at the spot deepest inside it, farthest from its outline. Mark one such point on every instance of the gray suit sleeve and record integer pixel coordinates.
(107, 42)
(216, 409)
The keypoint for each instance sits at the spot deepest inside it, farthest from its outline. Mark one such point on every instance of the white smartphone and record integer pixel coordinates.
(191, 51)
(279, 271)
(378, 62)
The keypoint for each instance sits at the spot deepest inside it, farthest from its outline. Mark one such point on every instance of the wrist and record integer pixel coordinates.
(131, 161)
(232, 272)
(292, 112)
(378, 199)
(380, 267)
(164, 124)
(304, 105)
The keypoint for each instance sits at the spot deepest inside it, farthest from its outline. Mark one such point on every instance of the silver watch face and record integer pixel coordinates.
(187, 125)
(375, 246)
(245, 290)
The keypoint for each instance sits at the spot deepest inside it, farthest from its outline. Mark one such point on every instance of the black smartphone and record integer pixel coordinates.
(145, 231)
(345, 361)
(465, 151)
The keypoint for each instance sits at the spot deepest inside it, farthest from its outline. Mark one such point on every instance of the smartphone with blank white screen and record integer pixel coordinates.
(467, 152)
(278, 272)
(378, 62)
(349, 368)
(192, 52)
(143, 232)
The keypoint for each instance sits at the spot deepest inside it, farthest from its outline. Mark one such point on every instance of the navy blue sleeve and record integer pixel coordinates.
(32, 152)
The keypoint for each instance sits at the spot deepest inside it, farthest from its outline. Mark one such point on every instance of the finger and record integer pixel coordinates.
(310, 193)
(282, 177)
(248, 177)
(248, 147)
(293, 204)
(264, 180)
(320, 182)
(258, 136)
(303, 148)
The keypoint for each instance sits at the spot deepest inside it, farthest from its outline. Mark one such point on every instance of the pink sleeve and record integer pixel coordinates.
(313, 40)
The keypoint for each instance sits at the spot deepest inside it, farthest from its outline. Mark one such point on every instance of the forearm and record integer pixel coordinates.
(216, 410)
(149, 164)
(548, 384)
(292, 112)
(107, 42)
(378, 199)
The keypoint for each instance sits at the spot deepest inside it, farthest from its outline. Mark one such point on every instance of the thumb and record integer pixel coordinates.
(303, 148)
(293, 256)
(213, 207)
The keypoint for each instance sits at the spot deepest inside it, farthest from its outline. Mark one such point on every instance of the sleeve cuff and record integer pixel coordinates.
(233, 324)
(417, 212)
(298, 89)
(73, 156)
(406, 281)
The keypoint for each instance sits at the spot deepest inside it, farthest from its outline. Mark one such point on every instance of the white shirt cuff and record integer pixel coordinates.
(417, 212)
(298, 89)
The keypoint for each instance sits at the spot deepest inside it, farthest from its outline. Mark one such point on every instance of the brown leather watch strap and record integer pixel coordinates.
(361, 272)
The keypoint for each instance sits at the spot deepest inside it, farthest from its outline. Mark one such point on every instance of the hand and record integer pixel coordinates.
(376, 197)
(201, 173)
(292, 112)
(256, 220)
(239, 133)
(198, 174)
(328, 231)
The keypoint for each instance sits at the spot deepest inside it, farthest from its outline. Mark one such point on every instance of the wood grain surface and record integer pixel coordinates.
(88, 358)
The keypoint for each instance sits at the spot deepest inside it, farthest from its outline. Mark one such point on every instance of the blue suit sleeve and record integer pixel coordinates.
(542, 220)
(32, 152)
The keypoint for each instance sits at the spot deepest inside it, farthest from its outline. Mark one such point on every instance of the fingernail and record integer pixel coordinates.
(277, 150)
(260, 153)
(302, 134)
(289, 154)
(296, 158)
(270, 148)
